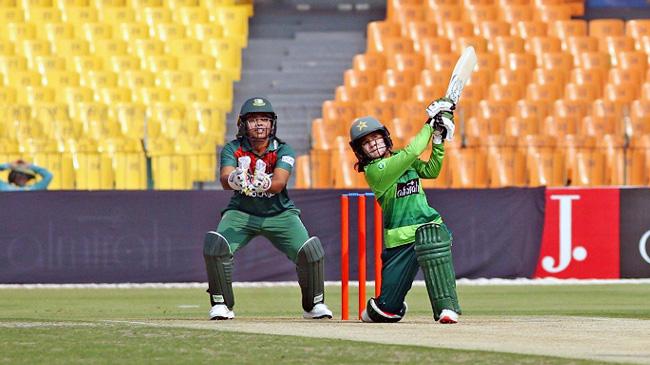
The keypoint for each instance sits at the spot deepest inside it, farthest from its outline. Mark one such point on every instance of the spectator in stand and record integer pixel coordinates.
(20, 175)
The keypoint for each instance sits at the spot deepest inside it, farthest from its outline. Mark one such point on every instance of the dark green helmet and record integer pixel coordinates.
(362, 127)
(255, 105)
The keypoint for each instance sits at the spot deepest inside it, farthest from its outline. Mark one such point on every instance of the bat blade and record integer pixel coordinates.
(462, 71)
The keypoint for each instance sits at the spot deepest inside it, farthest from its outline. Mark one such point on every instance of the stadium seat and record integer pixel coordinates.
(606, 27)
(580, 44)
(540, 45)
(517, 12)
(528, 29)
(637, 28)
(93, 170)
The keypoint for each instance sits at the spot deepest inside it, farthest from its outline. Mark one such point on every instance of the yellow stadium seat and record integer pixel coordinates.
(42, 64)
(147, 47)
(129, 164)
(135, 79)
(8, 96)
(54, 31)
(168, 31)
(196, 62)
(55, 120)
(172, 79)
(189, 95)
(219, 86)
(227, 54)
(123, 63)
(170, 171)
(36, 94)
(12, 64)
(117, 14)
(64, 4)
(189, 15)
(11, 15)
(183, 47)
(112, 95)
(60, 78)
(85, 63)
(71, 47)
(98, 79)
(150, 95)
(234, 20)
(129, 32)
(50, 154)
(18, 31)
(161, 63)
(179, 4)
(75, 95)
(211, 120)
(41, 15)
(94, 31)
(204, 31)
(111, 3)
(153, 15)
(109, 47)
(37, 3)
(133, 120)
(33, 48)
(93, 170)
(172, 121)
(146, 3)
(7, 48)
(201, 154)
(24, 78)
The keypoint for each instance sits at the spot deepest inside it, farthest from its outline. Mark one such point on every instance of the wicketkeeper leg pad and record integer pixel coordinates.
(311, 273)
(219, 263)
(373, 313)
(433, 250)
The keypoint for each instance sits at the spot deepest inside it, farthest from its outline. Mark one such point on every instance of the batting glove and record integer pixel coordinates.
(439, 106)
(443, 127)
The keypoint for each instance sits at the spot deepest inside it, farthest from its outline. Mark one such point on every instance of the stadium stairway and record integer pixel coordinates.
(296, 56)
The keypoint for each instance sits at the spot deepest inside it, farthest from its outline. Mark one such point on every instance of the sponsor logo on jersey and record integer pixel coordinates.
(408, 188)
(288, 159)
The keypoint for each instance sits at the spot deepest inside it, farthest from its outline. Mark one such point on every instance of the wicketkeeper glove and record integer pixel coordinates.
(261, 180)
(238, 178)
(439, 106)
(443, 127)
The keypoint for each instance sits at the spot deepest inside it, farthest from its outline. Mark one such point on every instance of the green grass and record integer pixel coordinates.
(77, 331)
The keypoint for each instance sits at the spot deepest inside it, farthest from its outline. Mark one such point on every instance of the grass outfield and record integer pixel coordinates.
(128, 325)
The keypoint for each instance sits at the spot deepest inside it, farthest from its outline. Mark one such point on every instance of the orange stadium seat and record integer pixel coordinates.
(356, 78)
(553, 12)
(527, 29)
(481, 13)
(536, 109)
(568, 28)
(395, 93)
(637, 28)
(365, 61)
(418, 31)
(503, 45)
(580, 44)
(491, 29)
(434, 45)
(405, 61)
(540, 45)
(506, 76)
(600, 28)
(515, 13)
(583, 92)
(423, 93)
(378, 32)
(353, 94)
(639, 118)
(479, 44)
(510, 92)
(518, 126)
(443, 12)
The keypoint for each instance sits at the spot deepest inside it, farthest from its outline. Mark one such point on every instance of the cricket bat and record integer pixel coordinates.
(462, 71)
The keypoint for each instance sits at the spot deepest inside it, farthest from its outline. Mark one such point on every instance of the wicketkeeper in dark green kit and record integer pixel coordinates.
(257, 165)
(414, 233)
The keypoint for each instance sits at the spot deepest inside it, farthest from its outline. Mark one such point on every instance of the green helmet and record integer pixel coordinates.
(255, 105)
(362, 127)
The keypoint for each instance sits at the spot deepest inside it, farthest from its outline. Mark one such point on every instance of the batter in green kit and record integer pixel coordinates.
(414, 233)
(257, 166)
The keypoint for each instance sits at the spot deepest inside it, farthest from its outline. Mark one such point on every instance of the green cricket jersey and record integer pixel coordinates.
(395, 180)
(277, 155)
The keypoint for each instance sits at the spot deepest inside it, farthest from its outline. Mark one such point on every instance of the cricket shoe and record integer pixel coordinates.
(220, 312)
(448, 316)
(319, 311)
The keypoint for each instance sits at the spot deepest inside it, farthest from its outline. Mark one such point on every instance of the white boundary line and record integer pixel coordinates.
(267, 284)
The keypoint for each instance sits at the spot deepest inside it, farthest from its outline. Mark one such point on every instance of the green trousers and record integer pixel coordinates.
(285, 230)
(399, 267)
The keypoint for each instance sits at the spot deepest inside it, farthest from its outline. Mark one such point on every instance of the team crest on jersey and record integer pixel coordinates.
(408, 188)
